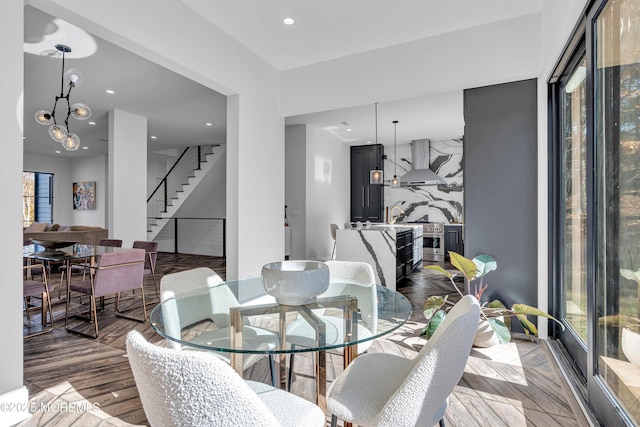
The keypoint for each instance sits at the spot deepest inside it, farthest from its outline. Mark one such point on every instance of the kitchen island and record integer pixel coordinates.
(392, 250)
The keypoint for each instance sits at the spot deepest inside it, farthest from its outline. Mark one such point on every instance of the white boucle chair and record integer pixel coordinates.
(347, 278)
(180, 309)
(380, 389)
(188, 388)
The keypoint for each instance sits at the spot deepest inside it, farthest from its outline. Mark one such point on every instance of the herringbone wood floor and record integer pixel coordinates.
(517, 384)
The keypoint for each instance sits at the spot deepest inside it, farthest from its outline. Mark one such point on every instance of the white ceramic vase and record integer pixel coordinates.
(631, 344)
(486, 336)
(295, 282)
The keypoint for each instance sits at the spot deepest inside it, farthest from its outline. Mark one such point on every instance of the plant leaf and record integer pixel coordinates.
(464, 265)
(432, 305)
(501, 330)
(631, 275)
(485, 263)
(440, 270)
(496, 303)
(618, 320)
(434, 323)
(527, 309)
(527, 325)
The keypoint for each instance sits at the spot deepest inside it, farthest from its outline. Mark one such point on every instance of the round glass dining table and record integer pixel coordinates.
(240, 319)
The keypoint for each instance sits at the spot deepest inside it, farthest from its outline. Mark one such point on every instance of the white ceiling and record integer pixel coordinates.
(178, 108)
(330, 29)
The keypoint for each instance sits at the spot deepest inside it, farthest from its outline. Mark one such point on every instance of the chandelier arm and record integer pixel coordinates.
(53, 110)
(66, 121)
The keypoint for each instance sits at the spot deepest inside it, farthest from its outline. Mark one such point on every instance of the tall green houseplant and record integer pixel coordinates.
(495, 313)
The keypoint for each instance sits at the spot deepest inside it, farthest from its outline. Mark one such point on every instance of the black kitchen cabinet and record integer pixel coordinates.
(367, 200)
(404, 254)
(453, 240)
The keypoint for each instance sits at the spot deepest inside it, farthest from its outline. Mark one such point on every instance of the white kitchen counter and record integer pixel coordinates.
(376, 246)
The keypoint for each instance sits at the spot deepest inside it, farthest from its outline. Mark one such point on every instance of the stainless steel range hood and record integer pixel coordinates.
(420, 174)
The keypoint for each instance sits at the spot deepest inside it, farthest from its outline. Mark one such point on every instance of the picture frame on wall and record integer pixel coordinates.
(84, 195)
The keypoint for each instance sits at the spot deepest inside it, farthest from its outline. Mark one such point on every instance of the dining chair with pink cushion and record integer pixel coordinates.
(81, 266)
(151, 249)
(115, 272)
(35, 285)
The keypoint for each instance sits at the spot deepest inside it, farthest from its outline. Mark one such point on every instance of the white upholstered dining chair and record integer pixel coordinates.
(380, 389)
(347, 278)
(180, 309)
(188, 388)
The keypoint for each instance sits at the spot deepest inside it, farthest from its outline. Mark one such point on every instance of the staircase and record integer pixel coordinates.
(184, 176)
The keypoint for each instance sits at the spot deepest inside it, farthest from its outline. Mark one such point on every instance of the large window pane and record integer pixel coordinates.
(573, 128)
(617, 125)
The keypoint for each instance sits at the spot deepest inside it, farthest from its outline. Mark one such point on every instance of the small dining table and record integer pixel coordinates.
(64, 252)
(260, 310)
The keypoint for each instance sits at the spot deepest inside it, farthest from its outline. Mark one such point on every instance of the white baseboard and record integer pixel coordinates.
(14, 406)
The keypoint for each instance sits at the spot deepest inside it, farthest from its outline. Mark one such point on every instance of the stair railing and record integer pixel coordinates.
(173, 182)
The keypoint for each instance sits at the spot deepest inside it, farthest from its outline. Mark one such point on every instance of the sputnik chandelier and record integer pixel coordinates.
(70, 141)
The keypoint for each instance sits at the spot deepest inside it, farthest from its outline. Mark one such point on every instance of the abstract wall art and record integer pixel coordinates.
(84, 195)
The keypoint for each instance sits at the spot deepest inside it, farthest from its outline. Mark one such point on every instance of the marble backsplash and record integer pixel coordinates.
(433, 203)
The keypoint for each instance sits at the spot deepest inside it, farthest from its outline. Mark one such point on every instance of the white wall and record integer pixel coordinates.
(317, 189)
(327, 190)
(296, 188)
(209, 198)
(92, 168)
(210, 57)
(500, 52)
(156, 170)
(66, 172)
(126, 190)
(11, 163)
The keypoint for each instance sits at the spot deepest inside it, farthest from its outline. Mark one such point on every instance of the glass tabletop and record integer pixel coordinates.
(201, 318)
(62, 252)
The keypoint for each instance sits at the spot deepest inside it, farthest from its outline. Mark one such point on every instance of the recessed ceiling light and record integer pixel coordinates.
(348, 129)
(92, 123)
(153, 137)
(288, 21)
(57, 151)
(109, 91)
(85, 148)
(368, 142)
(209, 124)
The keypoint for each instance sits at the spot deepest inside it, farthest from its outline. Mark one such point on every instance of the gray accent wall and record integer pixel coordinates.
(500, 174)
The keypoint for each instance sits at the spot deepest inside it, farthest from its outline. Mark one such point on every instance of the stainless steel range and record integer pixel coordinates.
(433, 241)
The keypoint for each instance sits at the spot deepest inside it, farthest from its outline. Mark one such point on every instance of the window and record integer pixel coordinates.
(595, 207)
(37, 197)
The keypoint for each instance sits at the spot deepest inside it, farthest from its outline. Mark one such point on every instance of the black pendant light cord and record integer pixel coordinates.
(395, 158)
(63, 49)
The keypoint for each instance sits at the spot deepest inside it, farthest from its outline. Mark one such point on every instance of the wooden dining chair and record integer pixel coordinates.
(115, 272)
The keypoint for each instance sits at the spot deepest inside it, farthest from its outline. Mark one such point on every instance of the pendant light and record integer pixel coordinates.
(79, 111)
(395, 182)
(376, 176)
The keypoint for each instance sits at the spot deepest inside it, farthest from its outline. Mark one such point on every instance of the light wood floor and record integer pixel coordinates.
(85, 382)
